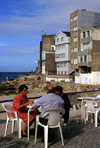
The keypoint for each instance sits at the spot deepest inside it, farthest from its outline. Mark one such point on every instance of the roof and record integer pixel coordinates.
(67, 33)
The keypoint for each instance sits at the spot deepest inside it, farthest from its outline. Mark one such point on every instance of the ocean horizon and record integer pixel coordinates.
(4, 76)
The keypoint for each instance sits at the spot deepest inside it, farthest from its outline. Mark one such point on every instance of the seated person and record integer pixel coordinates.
(48, 101)
(59, 91)
(20, 103)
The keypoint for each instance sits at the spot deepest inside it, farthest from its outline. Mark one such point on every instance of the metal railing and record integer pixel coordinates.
(2, 101)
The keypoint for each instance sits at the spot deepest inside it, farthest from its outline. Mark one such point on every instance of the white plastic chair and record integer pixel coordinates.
(98, 96)
(54, 118)
(8, 108)
(91, 107)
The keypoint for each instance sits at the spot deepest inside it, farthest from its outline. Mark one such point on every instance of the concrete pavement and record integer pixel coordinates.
(75, 136)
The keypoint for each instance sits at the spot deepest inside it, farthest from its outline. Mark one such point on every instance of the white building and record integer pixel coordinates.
(62, 53)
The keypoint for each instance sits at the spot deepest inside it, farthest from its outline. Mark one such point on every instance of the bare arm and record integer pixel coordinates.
(25, 104)
(35, 110)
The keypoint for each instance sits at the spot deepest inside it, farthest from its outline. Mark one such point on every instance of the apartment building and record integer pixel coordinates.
(62, 53)
(80, 19)
(47, 54)
(89, 53)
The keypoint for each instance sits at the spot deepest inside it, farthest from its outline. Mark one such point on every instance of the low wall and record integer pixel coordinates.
(90, 78)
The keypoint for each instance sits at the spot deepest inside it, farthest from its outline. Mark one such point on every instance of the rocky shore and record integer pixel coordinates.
(37, 83)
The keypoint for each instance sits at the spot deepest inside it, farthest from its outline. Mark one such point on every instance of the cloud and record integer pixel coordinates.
(22, 22)
(49, 16)
(16, 50)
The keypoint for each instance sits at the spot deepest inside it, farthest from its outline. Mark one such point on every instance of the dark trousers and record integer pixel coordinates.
(66, 116)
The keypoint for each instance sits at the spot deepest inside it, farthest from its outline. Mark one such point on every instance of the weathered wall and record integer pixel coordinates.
(92, 78)
(37, 83)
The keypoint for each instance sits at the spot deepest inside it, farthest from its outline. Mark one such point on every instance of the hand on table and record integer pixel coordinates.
(31, 102)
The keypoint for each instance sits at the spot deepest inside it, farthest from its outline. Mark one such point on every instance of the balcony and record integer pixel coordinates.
(85, 58)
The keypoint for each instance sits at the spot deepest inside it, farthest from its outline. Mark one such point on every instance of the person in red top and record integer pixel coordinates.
(20, 103)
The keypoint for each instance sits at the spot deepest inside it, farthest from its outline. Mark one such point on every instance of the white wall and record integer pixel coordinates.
(91, 78)
(58, 79)
(43, 69)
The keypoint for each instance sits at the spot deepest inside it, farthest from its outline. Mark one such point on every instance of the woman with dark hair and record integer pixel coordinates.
(20, 103)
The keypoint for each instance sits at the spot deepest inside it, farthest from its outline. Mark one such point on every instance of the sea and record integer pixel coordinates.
(5, 76)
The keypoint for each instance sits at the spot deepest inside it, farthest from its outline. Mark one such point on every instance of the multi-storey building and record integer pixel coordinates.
(80, 19)
(89, 53)
(47, 54)
(62, 53)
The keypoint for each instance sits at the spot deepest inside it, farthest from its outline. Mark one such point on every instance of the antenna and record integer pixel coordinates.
(42, 32)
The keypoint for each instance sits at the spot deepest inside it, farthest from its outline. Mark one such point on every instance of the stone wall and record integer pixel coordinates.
(38, 83)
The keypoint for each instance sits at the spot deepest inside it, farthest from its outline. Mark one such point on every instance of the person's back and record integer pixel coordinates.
(49, 101)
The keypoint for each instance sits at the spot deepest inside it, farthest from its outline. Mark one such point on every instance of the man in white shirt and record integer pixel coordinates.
(48, 101)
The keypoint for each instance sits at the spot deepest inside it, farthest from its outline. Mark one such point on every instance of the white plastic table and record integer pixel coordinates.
(30, 108)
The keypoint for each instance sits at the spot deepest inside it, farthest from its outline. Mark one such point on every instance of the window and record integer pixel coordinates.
(75, 49)
(62, 38)
(58, 65)
(83, 34)
(88, 33)
(57, 39)
(58, 72)
(63, 46)
(63, 55)
(81, 59)
(75, 28)
(59, 47)
(85, 58)
(52, 47)
(86, 45)
(72, 61)
(75, 18)
(75, 61)
(57, 56)
(65, 64)
(61, 64)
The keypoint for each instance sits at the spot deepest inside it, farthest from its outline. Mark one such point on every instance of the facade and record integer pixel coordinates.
(89, 53)
(62, 53)
(80, 19)
(89, 56)
(47, 55)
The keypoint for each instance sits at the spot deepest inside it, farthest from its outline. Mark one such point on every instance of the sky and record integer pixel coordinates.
(22, 22)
